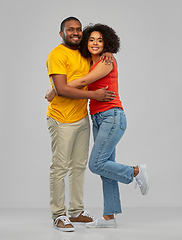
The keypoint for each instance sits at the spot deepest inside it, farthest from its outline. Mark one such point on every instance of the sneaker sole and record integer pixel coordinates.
(144, 167)
(78, 223)
(100, 226)
(65, 229)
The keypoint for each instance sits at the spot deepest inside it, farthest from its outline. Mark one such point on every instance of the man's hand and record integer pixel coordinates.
(107, 58)
(102, 95)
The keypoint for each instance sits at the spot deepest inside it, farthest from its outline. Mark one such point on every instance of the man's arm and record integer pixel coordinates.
(62, 89)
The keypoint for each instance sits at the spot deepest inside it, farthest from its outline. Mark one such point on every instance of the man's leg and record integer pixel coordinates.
(62, 143)
(77, 167)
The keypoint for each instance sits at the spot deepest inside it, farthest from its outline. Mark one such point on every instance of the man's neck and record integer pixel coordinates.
(70, 47)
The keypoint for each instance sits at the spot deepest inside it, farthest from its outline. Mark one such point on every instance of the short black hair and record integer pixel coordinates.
(66, 20)
(110, 38)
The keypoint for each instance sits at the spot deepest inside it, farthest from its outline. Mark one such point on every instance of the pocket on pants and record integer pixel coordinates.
(107, 114)
(123, 123)
(51, 120)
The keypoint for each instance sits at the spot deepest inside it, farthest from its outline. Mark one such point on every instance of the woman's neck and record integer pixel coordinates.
(95, 59)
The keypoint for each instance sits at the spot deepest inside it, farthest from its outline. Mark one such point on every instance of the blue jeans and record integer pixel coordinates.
(108, 128)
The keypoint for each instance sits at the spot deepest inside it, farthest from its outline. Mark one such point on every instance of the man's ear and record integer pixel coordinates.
(61, 34)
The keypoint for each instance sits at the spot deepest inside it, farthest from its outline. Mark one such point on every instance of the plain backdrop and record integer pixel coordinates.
(150, 83)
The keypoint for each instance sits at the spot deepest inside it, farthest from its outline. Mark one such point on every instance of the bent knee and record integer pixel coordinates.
(92, 167)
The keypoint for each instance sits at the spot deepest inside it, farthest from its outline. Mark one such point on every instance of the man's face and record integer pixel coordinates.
(72, 34)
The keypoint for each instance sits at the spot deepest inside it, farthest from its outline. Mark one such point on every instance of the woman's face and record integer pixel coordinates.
(95, 43)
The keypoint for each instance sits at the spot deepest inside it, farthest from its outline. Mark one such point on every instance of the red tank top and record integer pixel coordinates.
(111, 80)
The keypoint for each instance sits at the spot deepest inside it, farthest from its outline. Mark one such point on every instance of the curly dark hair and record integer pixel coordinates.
(110, 38)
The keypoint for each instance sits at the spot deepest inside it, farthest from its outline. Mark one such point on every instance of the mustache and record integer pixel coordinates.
(75, 36)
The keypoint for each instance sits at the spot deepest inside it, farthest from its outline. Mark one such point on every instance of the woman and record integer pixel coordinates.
(109, 122)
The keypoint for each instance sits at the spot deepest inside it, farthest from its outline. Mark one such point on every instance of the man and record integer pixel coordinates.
(68, 125)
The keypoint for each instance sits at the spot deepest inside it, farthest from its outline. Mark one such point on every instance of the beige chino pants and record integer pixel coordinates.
(69, 145)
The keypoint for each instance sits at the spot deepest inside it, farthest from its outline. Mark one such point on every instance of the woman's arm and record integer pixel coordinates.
(100, 71)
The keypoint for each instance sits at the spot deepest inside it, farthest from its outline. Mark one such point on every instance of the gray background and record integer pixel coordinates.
(150, 77)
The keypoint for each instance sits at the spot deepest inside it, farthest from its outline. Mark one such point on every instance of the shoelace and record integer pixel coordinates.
(64, 219)
(138, 182)
(87, 214)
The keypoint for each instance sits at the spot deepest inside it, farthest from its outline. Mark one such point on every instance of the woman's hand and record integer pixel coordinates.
(50, 94)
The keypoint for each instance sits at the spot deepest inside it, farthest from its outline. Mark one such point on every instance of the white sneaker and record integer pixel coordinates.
(62, 223)
(101, 223)
(142, 179)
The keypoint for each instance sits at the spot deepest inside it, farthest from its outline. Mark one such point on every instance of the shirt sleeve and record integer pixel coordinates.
(56, 63)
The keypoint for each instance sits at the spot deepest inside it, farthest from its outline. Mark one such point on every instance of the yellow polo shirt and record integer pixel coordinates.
(62, 60)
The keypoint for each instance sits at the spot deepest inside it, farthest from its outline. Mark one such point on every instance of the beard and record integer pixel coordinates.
(70, 43)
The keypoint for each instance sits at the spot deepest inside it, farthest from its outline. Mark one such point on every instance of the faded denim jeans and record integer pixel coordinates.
(108, 128)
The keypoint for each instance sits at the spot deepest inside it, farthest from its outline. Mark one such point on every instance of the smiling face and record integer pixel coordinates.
(72, 34)
(95, 43)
